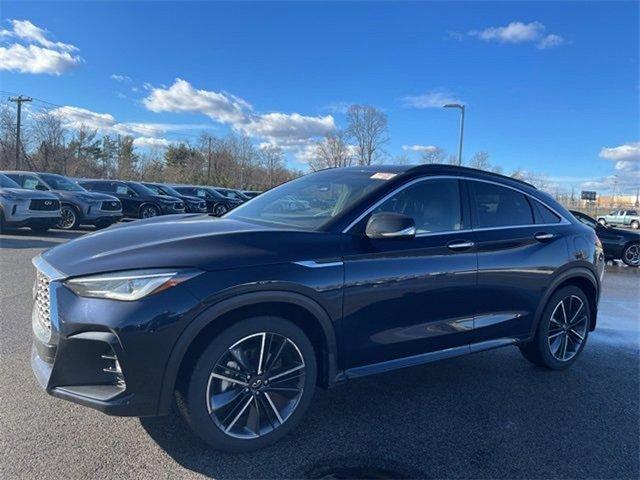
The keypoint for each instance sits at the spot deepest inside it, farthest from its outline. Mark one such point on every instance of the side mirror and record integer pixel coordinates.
(390, 225)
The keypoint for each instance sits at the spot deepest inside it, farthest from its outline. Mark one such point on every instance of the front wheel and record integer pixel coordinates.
(251, 385)
(631, 255)
(69, 218)
(562, 332)
(219, 210)
(149, 211)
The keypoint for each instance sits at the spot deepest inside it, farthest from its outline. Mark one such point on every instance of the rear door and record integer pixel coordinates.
(519, 248)
(408, 297)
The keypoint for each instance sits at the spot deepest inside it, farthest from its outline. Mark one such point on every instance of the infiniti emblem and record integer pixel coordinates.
(47, 203)
(256, 384)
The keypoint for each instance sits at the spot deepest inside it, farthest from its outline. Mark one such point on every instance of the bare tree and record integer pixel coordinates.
(497, 169)
(433, 155)
(453, 160)
(331, 152)
(272, 160)
(518, 174)
(480, 160)
(367, 126)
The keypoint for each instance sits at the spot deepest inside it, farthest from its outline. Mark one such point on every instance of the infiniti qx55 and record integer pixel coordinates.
(238, 319)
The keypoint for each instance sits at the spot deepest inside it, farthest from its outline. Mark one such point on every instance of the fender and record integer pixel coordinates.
(575, 272)
(225, 306)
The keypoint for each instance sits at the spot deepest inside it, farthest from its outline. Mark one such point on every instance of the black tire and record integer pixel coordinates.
(70, 218)
(602, 222)
(540, 351)
(635, 224)
(149, 211)
(631, 255)
(220, 209)
(194, 397)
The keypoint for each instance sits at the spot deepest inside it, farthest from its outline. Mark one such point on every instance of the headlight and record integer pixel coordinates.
(8, 196)
(130, 285)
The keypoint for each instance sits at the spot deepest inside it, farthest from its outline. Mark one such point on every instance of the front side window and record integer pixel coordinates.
(434, 205)
(497, 206)
(122, 189)
(31, 182)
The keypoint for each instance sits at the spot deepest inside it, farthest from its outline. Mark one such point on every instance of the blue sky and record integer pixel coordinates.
(549, 87)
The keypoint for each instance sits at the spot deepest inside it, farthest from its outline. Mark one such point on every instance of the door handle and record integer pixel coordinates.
(460, 245)
(543, 236)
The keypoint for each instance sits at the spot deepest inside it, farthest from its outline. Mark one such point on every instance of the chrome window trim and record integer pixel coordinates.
(315, 264)
(563, 220)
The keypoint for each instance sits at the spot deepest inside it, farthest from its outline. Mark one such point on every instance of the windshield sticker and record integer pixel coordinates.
(383, 176)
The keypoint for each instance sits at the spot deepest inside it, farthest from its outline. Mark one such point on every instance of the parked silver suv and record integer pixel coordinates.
(24, 208)
(78, 205)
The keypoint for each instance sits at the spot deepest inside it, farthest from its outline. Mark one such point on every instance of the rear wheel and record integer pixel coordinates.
(631, 255)
(251, 385)
(602, 221)
(69, 218)
(635, 224)
(562, 332)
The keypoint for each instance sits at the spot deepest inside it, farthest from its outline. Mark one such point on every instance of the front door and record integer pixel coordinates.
(130, 203)
(405, 298)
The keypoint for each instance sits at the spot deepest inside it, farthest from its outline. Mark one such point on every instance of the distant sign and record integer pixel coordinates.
(588, 195)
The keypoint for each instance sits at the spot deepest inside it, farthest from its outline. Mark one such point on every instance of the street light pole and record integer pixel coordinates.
(462, 108)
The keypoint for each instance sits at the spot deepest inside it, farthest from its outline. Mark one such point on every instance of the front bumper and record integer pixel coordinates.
(169, 209)
(94, 213)
(18, 213)
(106, 354)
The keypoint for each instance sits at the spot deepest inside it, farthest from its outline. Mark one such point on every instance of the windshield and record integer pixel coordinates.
(165, 190)
(6, 182)
(141, 189)
(311, 201)
(58, 182)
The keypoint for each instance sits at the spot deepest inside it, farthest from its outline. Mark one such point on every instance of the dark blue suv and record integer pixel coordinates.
(368, 269)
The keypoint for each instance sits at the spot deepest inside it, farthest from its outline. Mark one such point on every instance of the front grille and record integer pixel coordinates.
(111, 205)
(41, 204)
(42, 307)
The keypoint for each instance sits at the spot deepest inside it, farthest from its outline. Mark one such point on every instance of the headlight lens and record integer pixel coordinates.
(8, 196)
(130, 285)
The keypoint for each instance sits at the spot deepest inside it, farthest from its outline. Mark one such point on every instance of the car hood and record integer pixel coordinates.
(25, 194)
(96, 196)
(190, 241)
(624, 233)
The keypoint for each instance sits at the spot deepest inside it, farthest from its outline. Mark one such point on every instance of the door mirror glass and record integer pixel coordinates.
(390, 225)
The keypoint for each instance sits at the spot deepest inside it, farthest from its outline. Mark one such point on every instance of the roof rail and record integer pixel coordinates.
(456, 168)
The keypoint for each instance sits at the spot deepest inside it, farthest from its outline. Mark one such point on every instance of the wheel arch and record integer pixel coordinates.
(297, 308)
(585, 280)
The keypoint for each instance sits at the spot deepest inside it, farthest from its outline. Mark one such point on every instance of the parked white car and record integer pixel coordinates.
(26, 208)
(628, 218)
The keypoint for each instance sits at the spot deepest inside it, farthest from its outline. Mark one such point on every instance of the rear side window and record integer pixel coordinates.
(497, 206)
(543, 214)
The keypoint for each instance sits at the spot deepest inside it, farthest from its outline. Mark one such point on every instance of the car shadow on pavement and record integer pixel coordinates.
(24, 238)
(487, 415)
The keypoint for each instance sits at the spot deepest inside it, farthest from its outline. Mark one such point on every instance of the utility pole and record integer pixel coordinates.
(19, 100)
(209, 160)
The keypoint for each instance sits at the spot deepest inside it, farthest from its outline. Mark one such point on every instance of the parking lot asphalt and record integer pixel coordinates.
(488, 415)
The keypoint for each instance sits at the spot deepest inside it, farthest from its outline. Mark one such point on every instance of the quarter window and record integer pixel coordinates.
(543, 214)
(433, 204)
(497, 206)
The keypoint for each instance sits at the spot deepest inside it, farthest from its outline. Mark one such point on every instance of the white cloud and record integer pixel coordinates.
(146, 134)
(517, 32)
(181, 97)
(420, 148)
(148, 142)
(33, 52)
(120, 78)
(222, 107)
(629, 152)
(433, 99)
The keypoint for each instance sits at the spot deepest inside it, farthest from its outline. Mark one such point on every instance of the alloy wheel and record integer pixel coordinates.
(149, 212)
(567, 328)
(67, 218)
(631, 255)
(220, 210)
(256, 385)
